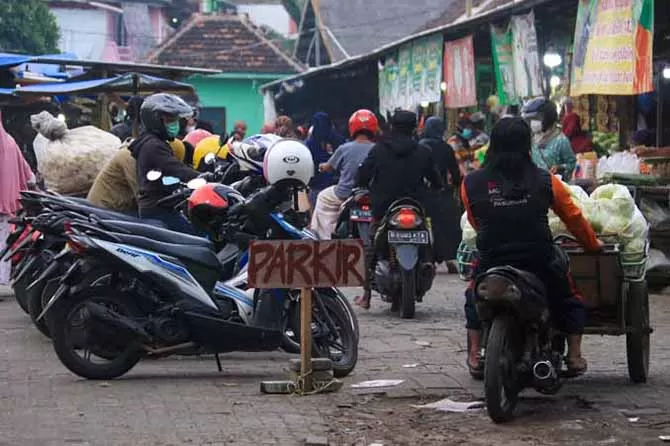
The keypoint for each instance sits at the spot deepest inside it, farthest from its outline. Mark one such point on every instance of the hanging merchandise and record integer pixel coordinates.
(388, 83)
(459, 73)
(613, 47)
(503, 61)
(432, 72)
(527, 71)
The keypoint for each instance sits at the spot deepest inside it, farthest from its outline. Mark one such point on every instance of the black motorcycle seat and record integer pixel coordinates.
(155, 232)
(527, 280)
(91, 210)
(203, 255)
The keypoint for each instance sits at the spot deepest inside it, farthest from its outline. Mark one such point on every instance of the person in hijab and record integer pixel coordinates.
(322, 143)
(15, 176)
(441, 204)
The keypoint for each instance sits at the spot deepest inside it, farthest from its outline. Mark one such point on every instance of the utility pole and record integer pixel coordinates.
(468, 8)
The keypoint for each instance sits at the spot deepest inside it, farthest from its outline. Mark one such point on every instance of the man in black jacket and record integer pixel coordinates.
(396, 167)
(160, 115)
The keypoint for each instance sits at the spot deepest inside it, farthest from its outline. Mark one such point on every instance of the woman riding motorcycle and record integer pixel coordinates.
(507, 201)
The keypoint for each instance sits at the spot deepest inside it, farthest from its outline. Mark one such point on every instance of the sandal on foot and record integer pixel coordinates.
(576, 367)
(362, 302)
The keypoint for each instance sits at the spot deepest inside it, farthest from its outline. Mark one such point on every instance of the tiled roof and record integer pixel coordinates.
(224, 42)
(456, 11)
(361, 26)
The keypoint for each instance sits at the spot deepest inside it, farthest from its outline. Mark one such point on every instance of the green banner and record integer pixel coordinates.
(503, 62)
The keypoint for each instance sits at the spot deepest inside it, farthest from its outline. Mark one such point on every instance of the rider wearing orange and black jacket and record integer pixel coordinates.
(507, 201)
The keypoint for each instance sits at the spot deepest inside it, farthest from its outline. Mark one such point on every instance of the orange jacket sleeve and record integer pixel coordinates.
(572, 216)
(466, 205)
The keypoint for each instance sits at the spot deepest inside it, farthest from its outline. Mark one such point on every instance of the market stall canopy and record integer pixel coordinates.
(130, 83)
(51, 64)
(6, 92)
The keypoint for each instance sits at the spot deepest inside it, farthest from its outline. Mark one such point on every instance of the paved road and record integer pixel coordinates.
(186, 401)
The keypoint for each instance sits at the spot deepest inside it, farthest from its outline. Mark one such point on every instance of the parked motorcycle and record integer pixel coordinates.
(403, 267)
(176, 303)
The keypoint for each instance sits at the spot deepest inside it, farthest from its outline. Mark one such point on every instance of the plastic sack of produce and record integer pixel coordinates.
(469, 233)
(615, 214)
(69, 160)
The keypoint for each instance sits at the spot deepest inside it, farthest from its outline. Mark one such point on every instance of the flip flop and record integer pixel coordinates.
(362, 302)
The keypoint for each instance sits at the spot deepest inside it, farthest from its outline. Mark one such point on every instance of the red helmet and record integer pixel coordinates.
(363, 121)
(209, 204)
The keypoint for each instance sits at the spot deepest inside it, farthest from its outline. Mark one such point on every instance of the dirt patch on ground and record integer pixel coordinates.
(540, 421)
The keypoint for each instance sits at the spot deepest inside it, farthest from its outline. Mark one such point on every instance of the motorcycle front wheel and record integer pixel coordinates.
(338, 341)
(501, 387)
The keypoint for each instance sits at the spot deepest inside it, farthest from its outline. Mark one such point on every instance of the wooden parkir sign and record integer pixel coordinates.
(306, 263)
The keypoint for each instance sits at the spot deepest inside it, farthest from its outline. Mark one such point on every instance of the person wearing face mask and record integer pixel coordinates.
(551, 148)
(160, 115)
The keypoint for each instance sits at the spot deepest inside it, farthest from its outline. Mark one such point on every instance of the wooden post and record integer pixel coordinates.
(306, 338)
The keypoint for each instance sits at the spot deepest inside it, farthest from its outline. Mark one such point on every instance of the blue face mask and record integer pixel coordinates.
(467, 133)
(172, 129)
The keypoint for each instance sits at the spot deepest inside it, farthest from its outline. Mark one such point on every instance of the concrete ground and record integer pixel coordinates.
(177, 401)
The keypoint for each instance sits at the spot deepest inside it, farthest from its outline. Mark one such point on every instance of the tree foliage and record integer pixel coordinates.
(27, 26)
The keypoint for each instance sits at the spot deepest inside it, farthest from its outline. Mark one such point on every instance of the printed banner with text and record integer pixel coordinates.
(613, 47)
(527, 70)
(459, 73)
(503, 61)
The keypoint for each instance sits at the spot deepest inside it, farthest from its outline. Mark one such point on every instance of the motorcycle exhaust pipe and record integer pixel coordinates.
(544, 370)
(117, 321)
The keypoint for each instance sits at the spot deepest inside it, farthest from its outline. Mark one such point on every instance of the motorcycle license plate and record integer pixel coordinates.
(409, 237)
(360, 214)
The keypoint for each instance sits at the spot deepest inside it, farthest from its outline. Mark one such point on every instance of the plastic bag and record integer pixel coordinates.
(622, 162)
(70, 160)
(657, 215)
(469, 233)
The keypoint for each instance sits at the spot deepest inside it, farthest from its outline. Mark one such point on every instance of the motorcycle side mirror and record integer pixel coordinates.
(196, 183)
(210, 158)
(154, 175)
(170, 181)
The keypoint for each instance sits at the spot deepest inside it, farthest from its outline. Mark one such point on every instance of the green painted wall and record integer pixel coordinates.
(240, 96)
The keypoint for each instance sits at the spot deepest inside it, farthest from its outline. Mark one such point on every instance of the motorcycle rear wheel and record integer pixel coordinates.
(119, 360)
(408, 296)
(501, 388)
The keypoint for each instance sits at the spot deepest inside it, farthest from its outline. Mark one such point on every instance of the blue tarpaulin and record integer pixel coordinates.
(8, 60)
(120, 84)
(6, 92)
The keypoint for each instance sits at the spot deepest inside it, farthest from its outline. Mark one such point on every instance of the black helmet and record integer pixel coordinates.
(404, 121)
(159, 106)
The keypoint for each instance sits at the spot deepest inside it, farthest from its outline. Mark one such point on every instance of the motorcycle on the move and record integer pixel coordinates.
(521, 346)
(403, 266)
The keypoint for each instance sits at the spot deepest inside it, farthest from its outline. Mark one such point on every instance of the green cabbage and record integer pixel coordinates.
(614, 199)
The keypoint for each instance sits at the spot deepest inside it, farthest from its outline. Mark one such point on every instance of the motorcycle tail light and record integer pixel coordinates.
(406, 219)
(363, 200)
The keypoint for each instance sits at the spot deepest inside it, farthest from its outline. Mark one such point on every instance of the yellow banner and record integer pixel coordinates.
(604, 59)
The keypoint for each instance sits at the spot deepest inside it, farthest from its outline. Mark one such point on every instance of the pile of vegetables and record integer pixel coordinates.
(610, 209)
(605, 143)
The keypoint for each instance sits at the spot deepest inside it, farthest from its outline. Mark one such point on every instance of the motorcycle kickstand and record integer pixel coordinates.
(218, 362)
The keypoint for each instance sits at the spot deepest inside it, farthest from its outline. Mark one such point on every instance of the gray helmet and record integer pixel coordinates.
(159, 106)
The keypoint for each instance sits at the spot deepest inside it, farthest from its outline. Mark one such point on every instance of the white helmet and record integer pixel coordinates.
(250, 153)
(288, 160)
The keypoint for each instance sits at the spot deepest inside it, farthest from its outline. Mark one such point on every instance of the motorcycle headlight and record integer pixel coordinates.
(497, 288)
